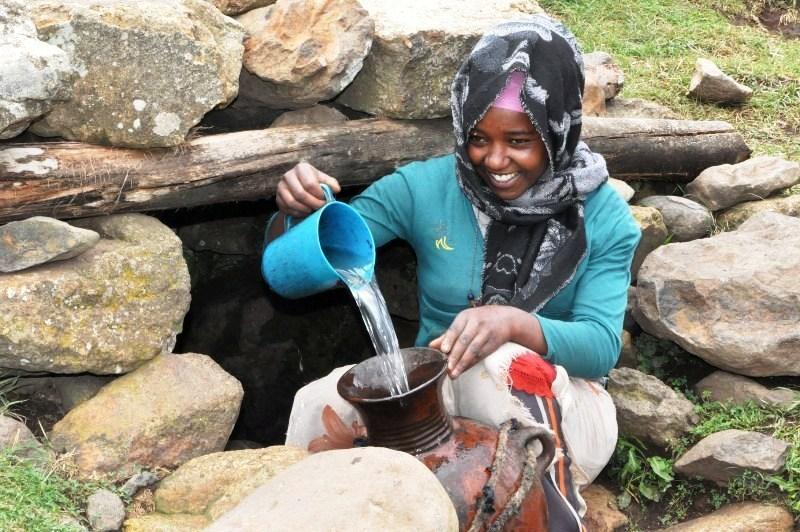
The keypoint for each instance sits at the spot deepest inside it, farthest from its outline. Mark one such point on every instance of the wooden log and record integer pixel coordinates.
(70, 179)
(660, 149)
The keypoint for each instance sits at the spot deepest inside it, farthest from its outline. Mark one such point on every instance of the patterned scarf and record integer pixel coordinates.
(534, 243)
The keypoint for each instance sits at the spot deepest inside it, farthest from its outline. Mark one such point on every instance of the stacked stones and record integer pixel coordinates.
(94, 306)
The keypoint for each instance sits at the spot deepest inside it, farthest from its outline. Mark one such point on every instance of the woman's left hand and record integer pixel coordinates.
(477, 333)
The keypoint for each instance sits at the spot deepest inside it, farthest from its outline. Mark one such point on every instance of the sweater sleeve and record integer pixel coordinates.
(588, 342)
(387, 206)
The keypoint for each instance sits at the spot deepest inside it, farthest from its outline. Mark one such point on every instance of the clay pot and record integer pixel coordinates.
(482, 468)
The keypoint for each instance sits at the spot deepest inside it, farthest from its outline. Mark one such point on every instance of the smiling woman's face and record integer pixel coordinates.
(507, 152)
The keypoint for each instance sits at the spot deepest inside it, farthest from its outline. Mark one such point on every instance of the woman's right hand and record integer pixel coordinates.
(299, 192)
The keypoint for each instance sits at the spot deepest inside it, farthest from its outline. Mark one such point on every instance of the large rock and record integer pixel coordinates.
(710, 84)
(417, 50)
(106, 311)
(740, 517)
(685, 219)
(735, 389)
(149, 69)
(727, 454)
(730, 219)
(33, 74)
(654, 234)
(648, 409)
(721, 186)
(170, 410)
(211, 485)
(304, 51)
(38, 240)
(369, 488)
(730, 299)
(237, 7)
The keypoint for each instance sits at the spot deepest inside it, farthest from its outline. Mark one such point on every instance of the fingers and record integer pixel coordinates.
(299, 192)
(464, 343)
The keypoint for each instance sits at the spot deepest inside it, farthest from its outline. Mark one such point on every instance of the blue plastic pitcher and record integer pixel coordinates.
(304, 260)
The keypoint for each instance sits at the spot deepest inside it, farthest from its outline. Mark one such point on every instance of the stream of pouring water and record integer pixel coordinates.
(379, 325)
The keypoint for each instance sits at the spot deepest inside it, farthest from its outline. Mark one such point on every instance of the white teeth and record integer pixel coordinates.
(503, 178)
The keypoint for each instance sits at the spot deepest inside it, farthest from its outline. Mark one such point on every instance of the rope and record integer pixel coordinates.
(486, 502)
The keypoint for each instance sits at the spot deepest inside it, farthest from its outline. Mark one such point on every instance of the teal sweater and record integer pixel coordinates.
(423, 204)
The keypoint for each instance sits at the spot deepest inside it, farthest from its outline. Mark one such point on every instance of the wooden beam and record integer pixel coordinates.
(71, 179)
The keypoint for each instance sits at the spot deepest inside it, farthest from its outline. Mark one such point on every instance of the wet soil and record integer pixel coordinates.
(774, 19)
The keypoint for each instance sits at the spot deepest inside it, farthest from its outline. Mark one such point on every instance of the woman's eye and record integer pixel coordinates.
(476, 139)
(518, 142)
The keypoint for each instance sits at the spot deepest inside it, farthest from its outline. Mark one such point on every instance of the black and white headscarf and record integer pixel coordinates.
(535, 243)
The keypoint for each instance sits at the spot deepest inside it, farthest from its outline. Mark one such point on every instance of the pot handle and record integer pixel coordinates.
(545, 438)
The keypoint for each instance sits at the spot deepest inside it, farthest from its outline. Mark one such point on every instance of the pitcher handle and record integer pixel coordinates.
(288, 221)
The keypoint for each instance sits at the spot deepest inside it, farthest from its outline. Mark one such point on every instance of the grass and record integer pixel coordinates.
(656, 43)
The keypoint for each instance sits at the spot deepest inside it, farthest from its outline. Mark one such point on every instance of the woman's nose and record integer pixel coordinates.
(496, 157)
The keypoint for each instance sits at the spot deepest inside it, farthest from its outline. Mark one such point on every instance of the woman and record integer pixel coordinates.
(523, 250)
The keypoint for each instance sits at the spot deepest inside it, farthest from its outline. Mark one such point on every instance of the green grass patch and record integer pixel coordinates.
(656, 43)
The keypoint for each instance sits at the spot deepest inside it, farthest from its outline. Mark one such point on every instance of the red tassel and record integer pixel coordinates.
(532, 374)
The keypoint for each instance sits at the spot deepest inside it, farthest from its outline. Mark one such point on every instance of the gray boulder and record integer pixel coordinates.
(727, 454)
(648, 409)
(417, 49)
(685, 219)
(39, 240)
(710, 84)
(105, 311)
(170, 410)
(730, 299)
(725, 185)
(149, 69)
(303, 52)
(33, 74)
(736, 389)
(731, 218)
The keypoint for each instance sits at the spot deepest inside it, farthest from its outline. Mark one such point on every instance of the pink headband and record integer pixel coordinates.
(509, 96)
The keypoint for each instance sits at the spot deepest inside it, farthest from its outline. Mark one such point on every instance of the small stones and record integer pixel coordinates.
(729, 453)
(710, 84)
(736, 389)
(654, 233)
(622, 188)
(725, 185)
(685, 219)
(105, 511)
(648, 409)
(39, 240)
